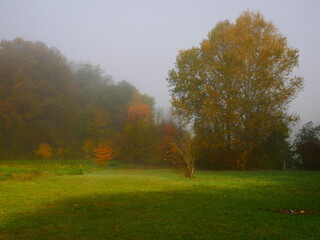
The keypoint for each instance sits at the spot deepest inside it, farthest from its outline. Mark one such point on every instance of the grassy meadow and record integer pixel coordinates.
(78, 200)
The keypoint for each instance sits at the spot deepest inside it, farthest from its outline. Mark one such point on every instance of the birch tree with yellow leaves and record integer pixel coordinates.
(237, 85)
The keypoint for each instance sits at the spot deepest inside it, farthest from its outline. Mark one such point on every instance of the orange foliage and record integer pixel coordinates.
(173, 155)
(103, 153)
(170, 130)
(44, 150)
(140, 110)
(169, 134)
(182, 157)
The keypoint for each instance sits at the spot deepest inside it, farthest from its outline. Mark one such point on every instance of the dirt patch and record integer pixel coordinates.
(295, 212)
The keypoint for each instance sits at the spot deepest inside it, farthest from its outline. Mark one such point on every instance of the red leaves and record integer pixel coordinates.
(103, 153)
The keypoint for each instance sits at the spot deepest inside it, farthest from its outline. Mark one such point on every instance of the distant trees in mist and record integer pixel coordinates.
(230, 98)
(52, 108)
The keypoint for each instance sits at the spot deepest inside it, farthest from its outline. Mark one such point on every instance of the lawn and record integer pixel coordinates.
(78, 200)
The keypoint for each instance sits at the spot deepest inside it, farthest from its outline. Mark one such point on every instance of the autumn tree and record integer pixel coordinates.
(181, 153)
(36, 97)
(44, 150)
(236, 86)
(138, 134)
(167, 131)
(103, 152)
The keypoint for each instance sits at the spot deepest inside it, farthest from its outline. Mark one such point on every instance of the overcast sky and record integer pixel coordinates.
(138, 40)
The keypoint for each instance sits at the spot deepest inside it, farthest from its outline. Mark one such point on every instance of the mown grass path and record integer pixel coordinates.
(47, 200)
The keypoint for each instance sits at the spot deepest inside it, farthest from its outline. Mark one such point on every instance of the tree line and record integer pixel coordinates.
(54, 108)
(230, 98)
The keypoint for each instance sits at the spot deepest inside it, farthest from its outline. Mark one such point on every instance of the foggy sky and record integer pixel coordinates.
(138, 40)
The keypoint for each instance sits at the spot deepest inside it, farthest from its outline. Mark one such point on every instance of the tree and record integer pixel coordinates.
(168, 129)
(138, 145)
(181, 153)
(44, 150)
(100, 123)
(36, 97)
(307, 144)
(236, 86)
(275, 152)
(308, 133)
(103, 153)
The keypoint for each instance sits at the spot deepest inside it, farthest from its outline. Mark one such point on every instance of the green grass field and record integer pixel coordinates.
(77, 200)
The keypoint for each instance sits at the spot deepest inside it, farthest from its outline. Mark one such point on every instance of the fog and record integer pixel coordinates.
(138, 41)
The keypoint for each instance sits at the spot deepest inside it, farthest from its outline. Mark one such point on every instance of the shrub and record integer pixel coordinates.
(44, 150)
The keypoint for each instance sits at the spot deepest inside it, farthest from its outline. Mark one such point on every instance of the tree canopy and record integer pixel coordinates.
(52, 108)
(307, 144)
(236, 86)
(234, 89)
(36, 96)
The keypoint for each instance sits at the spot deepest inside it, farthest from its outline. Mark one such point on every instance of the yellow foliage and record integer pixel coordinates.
(181, 154)
(44, 150)
(237, 85)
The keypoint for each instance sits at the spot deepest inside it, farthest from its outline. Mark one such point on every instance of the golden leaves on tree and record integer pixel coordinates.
(237, 85)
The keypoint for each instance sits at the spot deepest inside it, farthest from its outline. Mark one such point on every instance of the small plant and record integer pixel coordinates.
(103, 153)
(44, 150)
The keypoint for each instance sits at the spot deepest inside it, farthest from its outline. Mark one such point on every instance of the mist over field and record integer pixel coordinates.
(147, 119)
(138, 41)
